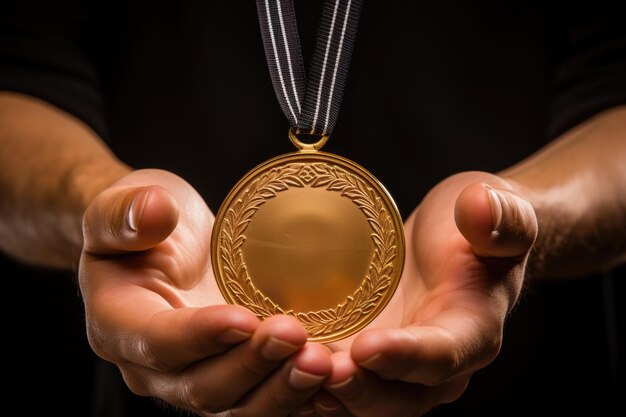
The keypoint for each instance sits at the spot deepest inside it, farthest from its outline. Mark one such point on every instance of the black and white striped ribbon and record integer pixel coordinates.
(311, 104)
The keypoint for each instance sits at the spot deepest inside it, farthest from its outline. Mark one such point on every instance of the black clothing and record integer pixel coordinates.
(435, 88)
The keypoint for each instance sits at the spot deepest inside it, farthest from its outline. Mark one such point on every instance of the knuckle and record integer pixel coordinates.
(255, 366)
(201, 401)
(135, 382)
(152, 357)
(148, 354)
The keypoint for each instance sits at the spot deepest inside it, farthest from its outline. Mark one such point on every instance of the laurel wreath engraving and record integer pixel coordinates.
(332, 178)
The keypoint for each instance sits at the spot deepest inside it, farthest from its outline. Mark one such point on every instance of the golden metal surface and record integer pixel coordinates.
(313, 235)
(315, 146)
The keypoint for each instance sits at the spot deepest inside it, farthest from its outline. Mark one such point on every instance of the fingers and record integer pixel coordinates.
(352, 391)
(163, 339)
(220, 382)
(328, 404)
(456, 341)
(291, 386)
(369, 396)
(129, 219)
(176, 338)
(496, 222)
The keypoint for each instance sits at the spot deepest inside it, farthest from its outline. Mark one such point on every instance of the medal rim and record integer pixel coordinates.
(371, 181)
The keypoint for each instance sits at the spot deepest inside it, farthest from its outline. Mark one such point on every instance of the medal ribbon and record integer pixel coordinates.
(310, 104)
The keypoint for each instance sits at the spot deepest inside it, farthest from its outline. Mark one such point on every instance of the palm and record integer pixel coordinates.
(443, 273)
(178, 270)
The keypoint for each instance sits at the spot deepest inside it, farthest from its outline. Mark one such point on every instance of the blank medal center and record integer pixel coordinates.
(308, 249)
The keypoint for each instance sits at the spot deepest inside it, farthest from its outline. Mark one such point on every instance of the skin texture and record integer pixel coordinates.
(153, 308)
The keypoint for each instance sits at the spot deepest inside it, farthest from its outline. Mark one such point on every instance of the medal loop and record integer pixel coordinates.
(304, 146)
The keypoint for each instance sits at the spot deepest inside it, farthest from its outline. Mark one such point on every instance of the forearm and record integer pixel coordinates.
(51, 166)
(577, 185)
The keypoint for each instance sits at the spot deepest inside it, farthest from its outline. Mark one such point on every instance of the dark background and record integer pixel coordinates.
(435, 88)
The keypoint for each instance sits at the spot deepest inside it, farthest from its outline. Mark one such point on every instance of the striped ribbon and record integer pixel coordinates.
(311, 104)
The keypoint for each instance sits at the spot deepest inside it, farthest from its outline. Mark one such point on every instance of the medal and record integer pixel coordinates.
(309, 233)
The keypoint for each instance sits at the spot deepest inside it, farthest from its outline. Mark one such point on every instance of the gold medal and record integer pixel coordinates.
(312, 235)
(309, 234)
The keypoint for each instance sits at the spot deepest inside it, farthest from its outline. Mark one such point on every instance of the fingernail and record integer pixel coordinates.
(136, 209)
(302, 380)
(276, 349)
(377, 363)
(305, 413)
(339, 385)
(327, 408)
(496, 207)
(232, 336)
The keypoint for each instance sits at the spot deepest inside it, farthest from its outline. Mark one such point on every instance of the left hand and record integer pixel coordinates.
(467, 246)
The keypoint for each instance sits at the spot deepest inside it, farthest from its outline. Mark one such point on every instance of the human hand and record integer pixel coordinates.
(154, 309)
(467, 246)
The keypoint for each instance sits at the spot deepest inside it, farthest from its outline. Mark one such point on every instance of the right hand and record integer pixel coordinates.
(154, 309)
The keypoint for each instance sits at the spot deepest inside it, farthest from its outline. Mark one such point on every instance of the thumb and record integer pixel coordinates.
(129, 219)
(496, 221)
